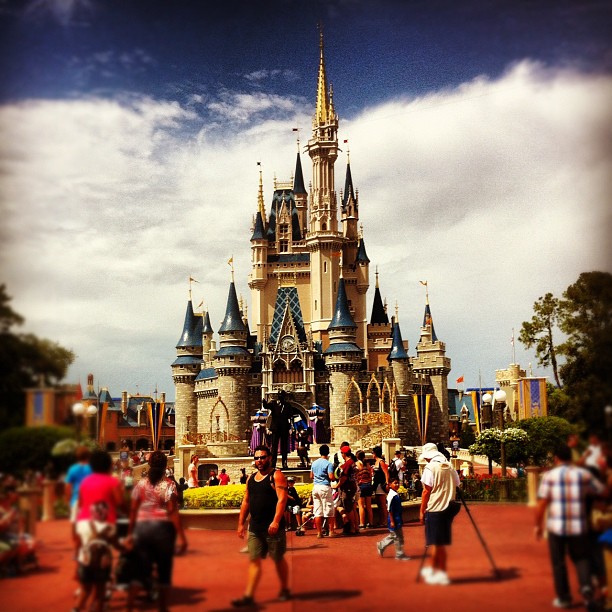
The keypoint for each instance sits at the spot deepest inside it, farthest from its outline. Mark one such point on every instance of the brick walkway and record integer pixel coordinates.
(341, 574)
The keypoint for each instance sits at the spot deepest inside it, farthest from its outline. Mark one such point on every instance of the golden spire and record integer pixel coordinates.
(260, 196)
(322, 113)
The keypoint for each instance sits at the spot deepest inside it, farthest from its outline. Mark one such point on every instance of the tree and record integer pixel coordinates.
(545, 435)
(25, 361)
(584, 317)
(587, 322)
(488, 443)
(539, 332)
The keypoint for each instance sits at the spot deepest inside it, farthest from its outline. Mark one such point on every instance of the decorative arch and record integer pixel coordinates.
(353, 385)
(386, 393)
(373, 383)
(216, 419)
(283, 373)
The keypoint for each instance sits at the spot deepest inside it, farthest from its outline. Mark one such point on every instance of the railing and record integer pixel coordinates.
(370, 418)
(487, 488)
(213, 436)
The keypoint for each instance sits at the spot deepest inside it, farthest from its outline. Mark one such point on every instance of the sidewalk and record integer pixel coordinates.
(326, 574)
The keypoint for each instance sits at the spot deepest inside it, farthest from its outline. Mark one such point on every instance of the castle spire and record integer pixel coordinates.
(397, 347)
(233, 319)
(379, 313)
(342, 314)
(192, 329)
(298, 181)
(322, 112)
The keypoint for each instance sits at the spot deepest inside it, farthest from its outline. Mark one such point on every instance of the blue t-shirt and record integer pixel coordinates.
(75, 475)
(394, 508)
(321, 469)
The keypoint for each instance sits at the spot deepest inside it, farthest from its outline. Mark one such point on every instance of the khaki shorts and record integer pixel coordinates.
(261, 545)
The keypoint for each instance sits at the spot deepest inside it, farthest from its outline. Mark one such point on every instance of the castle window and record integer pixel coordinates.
(283, 246)
(325, 266)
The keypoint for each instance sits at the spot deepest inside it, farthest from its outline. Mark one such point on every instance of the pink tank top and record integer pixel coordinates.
(97, 488)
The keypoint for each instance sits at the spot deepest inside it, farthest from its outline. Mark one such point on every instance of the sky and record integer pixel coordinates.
(130, 132)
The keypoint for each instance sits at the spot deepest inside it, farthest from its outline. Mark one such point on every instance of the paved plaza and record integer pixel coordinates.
(340, 574)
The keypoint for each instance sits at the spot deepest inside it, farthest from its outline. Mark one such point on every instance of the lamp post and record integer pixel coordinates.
(78, 410)
(92, 411)
(500, 400)
(485, 420)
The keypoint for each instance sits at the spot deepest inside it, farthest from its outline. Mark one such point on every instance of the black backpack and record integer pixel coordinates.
(393, 472)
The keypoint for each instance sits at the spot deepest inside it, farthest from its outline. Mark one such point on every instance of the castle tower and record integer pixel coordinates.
(207, 342)
(399, 361)
(432, 362)
(342, 358)
(379, 333)
(323, 239)
(300, 193)
(185, 368)
(259, 260)
(232, 363)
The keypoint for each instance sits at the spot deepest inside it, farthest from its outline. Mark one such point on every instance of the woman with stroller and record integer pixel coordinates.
(155, 524)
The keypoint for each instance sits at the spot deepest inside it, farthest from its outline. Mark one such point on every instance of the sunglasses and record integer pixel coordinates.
(260, 458)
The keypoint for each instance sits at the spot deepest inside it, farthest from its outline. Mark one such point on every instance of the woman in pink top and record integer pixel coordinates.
(100, 486)
(155, 524)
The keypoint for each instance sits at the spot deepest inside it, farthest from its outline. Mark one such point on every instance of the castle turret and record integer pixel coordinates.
(185, 368)
(207, 335)
(400, 364)
(342, 358)
(432, 362)
(301, 195)
(232, 363)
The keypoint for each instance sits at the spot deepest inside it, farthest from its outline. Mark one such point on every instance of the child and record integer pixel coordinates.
(294, 504)
(394, 522)
(180, 489)
(94, 558)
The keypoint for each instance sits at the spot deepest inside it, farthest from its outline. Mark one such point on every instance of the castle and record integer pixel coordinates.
(310, 333)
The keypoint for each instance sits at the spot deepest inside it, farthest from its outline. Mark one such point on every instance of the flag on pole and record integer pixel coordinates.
(345, 141)
(230, 261)
(460, 379)
(424, 283)
(295, 129)
(193, 280)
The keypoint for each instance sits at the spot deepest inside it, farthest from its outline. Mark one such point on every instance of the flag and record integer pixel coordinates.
(424, 283)
(295, 130)
(200, 304)
(460, 380)
(230, 261)
(345, 141)
(193, 280)
(512, 340)
(259, 163)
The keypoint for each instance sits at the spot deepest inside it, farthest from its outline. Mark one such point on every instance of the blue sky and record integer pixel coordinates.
(130, 131)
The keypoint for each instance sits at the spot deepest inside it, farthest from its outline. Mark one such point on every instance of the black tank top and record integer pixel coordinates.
(262, 503)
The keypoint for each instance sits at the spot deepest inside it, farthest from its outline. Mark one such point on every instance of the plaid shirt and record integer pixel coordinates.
(566, 487)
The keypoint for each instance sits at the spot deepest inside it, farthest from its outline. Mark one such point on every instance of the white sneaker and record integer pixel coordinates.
(426, 572)
(438, 577)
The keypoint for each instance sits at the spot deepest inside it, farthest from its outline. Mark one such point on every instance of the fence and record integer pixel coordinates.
(494, 489)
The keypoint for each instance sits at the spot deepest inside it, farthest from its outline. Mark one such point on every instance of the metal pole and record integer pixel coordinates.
(484, 544)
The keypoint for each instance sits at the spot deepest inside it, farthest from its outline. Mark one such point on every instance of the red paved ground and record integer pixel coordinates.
(341, 574)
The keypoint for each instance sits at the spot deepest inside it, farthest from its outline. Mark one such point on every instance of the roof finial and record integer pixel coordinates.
(396, 312)
(230, 263)
(426, 291)
(377, 277)
(260, 197)
(298, 138)
(322, 99)
(191, 280)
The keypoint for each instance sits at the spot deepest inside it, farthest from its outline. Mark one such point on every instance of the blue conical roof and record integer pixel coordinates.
(233, 319)
(349, 192)
(397, 348)
(192, 330)
(298, 181)
(258, 232)
(342, 314)
(362, 256)
(379, 316)
(428, 320)
(207, 327)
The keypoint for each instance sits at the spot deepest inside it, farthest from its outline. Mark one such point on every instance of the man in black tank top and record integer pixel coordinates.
(265, 500)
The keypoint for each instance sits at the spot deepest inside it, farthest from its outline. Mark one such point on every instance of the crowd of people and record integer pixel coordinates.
(127, 533)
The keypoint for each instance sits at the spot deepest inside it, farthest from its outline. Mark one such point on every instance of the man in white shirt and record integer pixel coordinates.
(438, 508)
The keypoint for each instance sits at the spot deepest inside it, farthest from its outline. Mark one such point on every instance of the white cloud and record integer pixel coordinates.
(495, 192)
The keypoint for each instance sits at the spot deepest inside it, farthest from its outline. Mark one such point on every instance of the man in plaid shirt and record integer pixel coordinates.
(563, 491)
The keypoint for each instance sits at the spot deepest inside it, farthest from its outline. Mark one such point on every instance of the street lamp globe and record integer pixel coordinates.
(78, 409)
(486, 398)
(92, 410)
(500, 396)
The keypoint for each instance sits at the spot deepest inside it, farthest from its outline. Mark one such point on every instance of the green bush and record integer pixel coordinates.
(29, 448)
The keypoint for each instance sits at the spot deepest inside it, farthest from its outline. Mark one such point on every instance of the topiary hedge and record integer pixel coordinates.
(227, 497)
